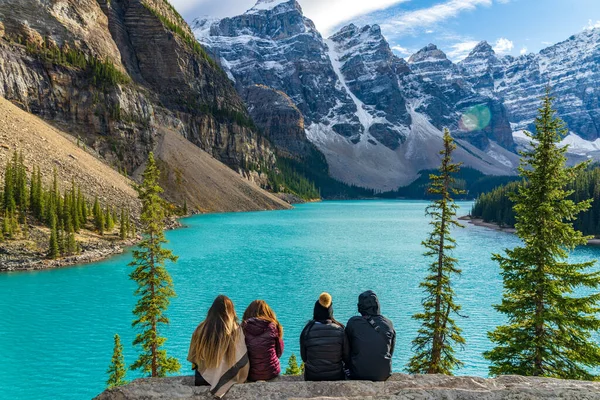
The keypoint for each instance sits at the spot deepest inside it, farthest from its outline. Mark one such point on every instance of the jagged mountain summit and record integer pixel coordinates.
(569, 67)
(377, 122)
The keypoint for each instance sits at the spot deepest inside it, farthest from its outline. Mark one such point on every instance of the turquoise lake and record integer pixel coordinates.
(57, 327)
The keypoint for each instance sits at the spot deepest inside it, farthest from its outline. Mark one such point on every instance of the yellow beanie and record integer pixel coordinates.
(325, 299)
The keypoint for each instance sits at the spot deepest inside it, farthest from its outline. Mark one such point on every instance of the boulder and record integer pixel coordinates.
(398, 387)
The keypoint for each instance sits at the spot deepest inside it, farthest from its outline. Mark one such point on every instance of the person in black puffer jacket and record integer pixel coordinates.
(372, 339)
(323, 344)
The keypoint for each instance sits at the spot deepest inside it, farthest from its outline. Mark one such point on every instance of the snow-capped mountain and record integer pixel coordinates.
(378, 118)
(571, 68)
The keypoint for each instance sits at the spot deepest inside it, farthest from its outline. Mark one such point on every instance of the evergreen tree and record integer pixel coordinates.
(108, 220)
(53, 251)
(438, 334)
(7, 225)
(116, 371)
(549, 327)
(74, 208)
(98, 217)
(185, 207)
(293, 368)
(155, 287)
(123, 226)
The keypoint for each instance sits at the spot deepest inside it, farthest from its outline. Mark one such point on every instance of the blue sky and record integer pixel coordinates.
(510, 26)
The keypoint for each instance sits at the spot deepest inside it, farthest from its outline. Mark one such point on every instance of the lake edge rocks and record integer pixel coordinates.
(399, 386)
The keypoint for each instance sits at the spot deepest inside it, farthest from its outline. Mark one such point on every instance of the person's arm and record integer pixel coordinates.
(346, 350)
(303, 344)
(349, 330)
(192, 351)
(393, 346)
(278, 340)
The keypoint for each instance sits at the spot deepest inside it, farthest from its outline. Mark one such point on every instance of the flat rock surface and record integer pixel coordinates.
(399, 386)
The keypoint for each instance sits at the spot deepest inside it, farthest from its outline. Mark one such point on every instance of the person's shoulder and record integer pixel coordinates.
(354, 320)
(388, 321)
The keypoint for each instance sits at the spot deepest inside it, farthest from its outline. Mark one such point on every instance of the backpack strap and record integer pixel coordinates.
(385, 335)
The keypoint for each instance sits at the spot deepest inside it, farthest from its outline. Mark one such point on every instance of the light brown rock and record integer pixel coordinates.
(398, 387)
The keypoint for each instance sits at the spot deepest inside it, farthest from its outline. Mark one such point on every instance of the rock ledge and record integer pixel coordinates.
(398, 387)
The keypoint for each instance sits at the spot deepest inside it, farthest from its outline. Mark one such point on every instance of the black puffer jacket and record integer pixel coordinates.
(371, 347)
(324, 350)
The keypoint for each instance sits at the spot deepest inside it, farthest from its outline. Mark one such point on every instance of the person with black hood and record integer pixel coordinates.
(372, 339)
(323, 344)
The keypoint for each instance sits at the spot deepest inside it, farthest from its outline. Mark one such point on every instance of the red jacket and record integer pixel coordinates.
(264, 349)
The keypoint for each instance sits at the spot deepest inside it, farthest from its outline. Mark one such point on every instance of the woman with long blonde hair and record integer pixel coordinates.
(264, 340)
(218, 350)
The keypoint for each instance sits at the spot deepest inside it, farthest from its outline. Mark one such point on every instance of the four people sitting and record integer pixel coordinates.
(223, 352)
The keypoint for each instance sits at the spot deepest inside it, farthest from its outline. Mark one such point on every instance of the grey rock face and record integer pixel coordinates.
(281, 121)
(398, 387)
(476, 116)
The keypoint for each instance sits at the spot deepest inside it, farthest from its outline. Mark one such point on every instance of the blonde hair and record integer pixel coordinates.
(215, 338)
(261, 310)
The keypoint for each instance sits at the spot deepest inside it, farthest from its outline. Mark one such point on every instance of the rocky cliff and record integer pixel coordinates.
(118, 73)
(363, 107)
(398, 387)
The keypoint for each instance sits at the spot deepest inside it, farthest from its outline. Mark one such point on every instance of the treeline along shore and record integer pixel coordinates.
(496, 207)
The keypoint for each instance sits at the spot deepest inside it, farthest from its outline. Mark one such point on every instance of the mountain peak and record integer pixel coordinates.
(482, 50)
(267, 5)
(428, 53)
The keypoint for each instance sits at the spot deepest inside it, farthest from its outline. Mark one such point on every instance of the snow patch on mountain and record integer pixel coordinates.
(365, 118)
(265, 5)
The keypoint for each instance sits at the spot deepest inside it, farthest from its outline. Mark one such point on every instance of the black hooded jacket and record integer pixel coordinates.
(371, 345)
(324, 347)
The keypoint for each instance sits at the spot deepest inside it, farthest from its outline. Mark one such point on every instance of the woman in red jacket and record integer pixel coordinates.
(264, 339)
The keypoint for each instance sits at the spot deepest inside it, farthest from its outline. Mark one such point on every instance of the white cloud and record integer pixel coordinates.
(461, 50)
(503, 46)
(523, 51)
(403, 51)
(592, 25)
(326, 14)
(428, 17)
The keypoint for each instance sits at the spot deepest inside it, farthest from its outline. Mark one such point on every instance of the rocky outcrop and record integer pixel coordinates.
(279, 120)
(116, 73)
(398, 387)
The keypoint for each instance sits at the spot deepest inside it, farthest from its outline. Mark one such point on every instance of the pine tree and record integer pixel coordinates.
(155, 287)
(108, 220)
(293, 368)
(53, 250)
(123, 226)
(185, 207)
(438, 334)
(116, 371)
(98, 217)
(6, 225)
(549, 327)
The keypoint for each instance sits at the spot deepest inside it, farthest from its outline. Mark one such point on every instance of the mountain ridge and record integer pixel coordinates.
(362, 128)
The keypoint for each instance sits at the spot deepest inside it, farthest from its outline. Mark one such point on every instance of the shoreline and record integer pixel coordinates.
(493, 226)
(103, 251)
(100, 253)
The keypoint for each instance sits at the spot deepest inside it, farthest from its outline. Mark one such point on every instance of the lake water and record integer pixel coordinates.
(57, 327)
